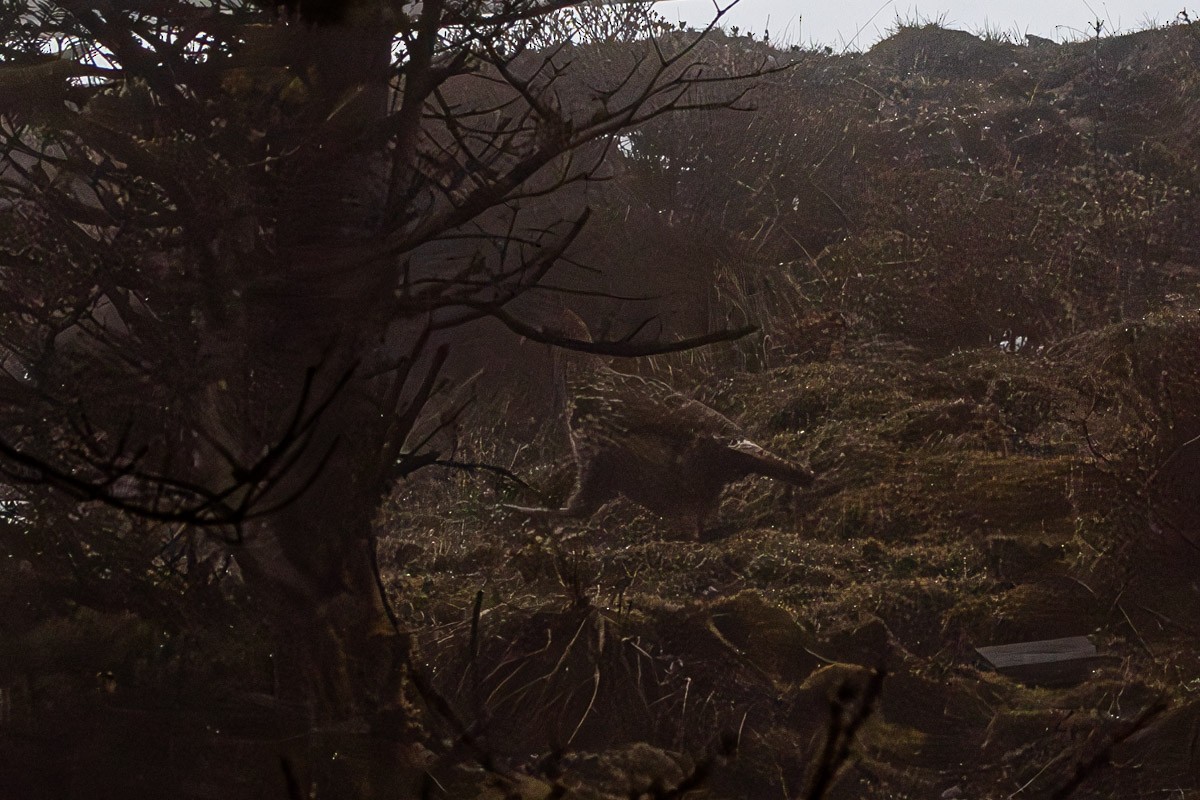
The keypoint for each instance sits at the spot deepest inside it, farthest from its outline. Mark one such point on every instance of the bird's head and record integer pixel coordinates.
(570, 325)
(571, 365)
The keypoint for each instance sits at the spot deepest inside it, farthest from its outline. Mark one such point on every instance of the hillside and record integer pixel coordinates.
(892, 222)
(887, 219)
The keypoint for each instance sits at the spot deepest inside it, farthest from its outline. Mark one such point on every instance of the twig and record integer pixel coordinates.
(1102, 757)
(843, 727)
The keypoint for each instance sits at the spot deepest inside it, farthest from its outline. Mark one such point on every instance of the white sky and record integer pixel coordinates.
(836, 22)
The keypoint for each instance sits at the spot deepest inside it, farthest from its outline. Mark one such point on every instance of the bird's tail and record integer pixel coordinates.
(764, 462)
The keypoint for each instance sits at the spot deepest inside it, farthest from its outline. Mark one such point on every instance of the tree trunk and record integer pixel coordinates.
(307, 329)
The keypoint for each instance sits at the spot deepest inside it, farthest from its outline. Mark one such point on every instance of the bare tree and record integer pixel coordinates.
(235, 234)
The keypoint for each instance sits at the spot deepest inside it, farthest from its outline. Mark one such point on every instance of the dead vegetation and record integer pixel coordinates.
(970, 493)
(887, 220)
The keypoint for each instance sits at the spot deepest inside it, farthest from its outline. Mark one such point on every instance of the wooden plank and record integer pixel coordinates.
(1046, 662)
(1006, 655)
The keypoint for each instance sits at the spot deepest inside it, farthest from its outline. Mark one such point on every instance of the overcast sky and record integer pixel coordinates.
(839, 22)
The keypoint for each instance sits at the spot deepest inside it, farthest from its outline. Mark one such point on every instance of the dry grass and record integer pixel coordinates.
(884, 219)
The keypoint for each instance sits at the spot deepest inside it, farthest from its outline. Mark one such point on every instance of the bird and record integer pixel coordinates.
(637, 437)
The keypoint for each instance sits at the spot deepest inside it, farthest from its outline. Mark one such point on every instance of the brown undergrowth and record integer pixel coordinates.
(887, 219)
(959, 505)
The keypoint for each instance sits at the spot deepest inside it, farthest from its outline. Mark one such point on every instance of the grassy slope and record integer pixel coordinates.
(968, 496)
(883, 217)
